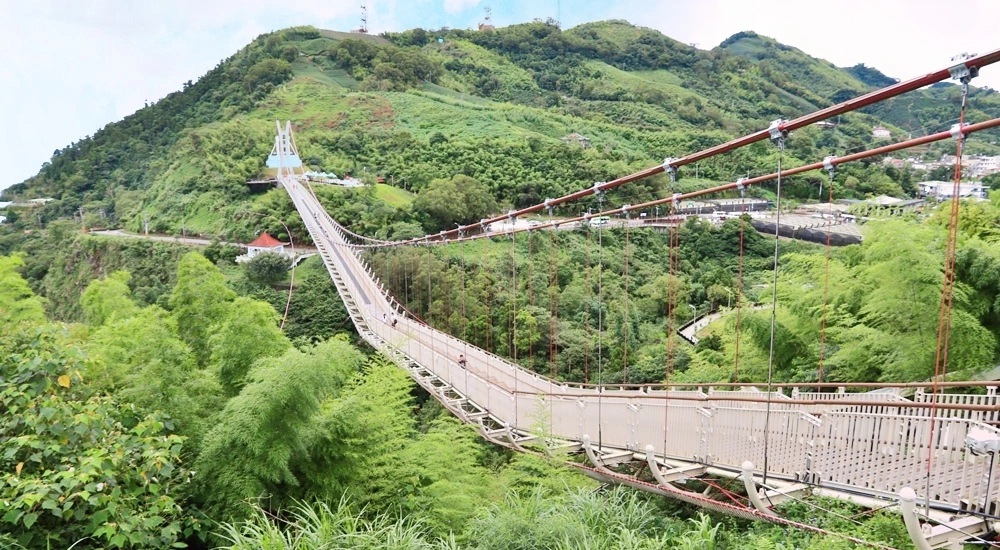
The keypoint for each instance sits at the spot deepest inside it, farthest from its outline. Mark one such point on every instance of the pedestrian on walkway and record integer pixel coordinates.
(461, 361)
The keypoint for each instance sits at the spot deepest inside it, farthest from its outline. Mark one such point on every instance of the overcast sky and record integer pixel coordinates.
(68, 67)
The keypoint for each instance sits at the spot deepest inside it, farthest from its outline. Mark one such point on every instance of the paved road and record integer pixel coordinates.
(189, 241)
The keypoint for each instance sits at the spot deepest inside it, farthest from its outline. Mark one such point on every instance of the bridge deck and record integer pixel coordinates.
(829, 441)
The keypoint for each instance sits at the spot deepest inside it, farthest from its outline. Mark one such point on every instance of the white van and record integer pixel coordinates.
(600, 221)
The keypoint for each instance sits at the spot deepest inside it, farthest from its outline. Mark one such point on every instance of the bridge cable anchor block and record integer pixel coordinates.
(751, 487)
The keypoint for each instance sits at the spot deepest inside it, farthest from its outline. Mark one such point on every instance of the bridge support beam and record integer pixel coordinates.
(907, 502)
(751, 488)
(672, 475)
(592, 456)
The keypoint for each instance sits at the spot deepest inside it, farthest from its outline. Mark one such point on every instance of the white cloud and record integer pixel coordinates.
(456, 6)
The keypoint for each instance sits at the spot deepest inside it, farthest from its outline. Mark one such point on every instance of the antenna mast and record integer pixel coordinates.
(364, 19)
(487, 23)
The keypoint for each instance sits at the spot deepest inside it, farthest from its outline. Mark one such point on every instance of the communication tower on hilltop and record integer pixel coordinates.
(487, 24)
(364, 20)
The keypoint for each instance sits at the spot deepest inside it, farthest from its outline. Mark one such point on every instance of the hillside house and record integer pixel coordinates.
(881, 132)
(942, 190)
(263, 243)
(578, 139)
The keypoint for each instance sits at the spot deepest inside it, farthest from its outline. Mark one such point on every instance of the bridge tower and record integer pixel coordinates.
(285, 155)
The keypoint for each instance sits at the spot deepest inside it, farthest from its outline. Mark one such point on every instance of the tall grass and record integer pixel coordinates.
(317, 526)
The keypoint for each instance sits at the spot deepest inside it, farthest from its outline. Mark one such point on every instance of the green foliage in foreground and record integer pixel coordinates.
(17, 303)
(561, 519)
(106, 425)
(78, 465)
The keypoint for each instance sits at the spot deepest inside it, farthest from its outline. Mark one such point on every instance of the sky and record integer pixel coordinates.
(69, 67)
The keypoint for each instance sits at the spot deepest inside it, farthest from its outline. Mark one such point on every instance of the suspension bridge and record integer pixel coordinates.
(933, 453)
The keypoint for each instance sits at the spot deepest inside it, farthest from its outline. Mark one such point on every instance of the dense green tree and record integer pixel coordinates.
(17, 302)
(316, 311)
(460, 199)
(143, 361)
(199, 300)
(267, 268)
(108, 299)
(443, 479)
(246, 335)
(258, 447)
(79, 465)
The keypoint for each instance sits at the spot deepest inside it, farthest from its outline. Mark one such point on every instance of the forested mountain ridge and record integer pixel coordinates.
(419, 105)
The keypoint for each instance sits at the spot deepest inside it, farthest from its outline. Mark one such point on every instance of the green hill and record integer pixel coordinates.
(497, 106)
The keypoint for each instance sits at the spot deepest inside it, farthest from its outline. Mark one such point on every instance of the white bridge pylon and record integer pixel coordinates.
(869, 448)
(285, 155)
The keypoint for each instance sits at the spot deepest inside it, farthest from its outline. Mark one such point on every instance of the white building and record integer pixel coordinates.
(942, 190)
(263, 243)
(880, 132)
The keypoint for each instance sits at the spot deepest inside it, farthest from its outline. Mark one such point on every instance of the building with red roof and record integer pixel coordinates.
(263, 243)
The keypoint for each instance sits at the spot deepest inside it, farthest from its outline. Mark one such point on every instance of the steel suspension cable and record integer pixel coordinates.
(586, 310)
(625, 301)
(779, 140)
(488, 285)
(600, 324)
(465, 317)
(553, 306)
(739, 290)
(948, 284)
(744, 182)
(513, 315)
(552, 321)
(826, 285)
(531, 297)
(430, 298)
(673, 293)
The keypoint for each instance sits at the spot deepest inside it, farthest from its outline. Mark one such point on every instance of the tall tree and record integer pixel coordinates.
(247, 334)
(460, 199)
(258, 448)
(108, 299)
(142, 361)
(200, 299)
(17, 302)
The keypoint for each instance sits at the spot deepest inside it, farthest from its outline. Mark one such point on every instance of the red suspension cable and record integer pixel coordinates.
(948, 286)
(876, 96)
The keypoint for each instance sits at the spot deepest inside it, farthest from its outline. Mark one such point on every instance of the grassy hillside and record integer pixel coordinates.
(496, 106)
